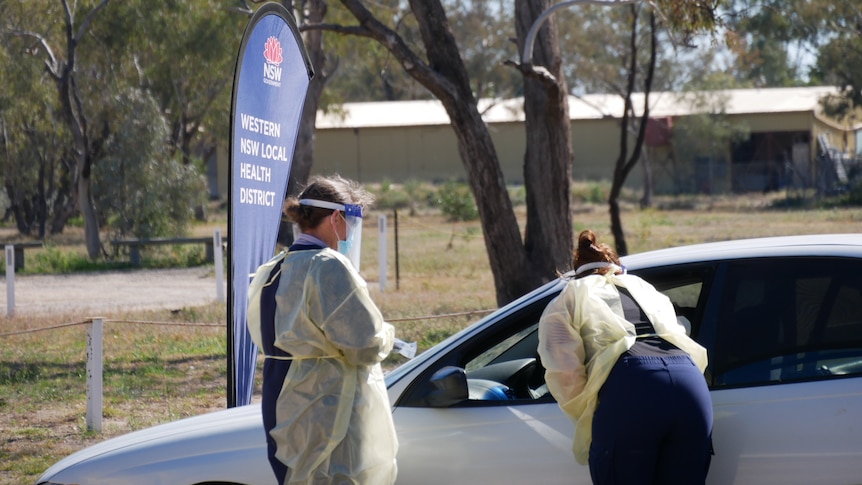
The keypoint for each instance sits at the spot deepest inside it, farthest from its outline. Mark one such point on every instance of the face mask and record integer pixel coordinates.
(351, 244)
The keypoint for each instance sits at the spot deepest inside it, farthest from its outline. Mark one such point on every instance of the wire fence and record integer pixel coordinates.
(94, 361)
(222, 324)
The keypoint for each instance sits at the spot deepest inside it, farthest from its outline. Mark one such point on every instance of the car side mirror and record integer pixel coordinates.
(450, 387)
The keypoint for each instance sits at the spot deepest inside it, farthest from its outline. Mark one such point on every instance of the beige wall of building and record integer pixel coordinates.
(401, 141)
(430, 153)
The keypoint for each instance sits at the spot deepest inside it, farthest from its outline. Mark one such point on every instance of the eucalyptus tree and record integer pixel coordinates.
(141, 188)
(325, 62)
(771, 40)
(96, 57)
(434, 59)
(359, 69)
(183, 53)
(33, 149)
(628, 49)
(838, 28)
(779, 43)
(548, 242)
(618, 50)
(55, 41)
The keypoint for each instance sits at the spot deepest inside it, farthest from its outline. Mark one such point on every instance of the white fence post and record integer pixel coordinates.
(219, 265)
(10, 280)
(94, 375)
(381, 250)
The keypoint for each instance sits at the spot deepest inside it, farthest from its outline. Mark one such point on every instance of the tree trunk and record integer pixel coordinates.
(513, 276)
(516, 270)
(303, 153)
(623, 167)
(91, 222)
(303, 156)
(548, 160)
(73, 113)
(646, 200)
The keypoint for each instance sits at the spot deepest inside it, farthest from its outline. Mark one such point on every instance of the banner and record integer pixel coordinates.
(270, 83)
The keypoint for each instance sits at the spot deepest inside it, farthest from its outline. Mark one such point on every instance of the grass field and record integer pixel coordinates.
(159, 373)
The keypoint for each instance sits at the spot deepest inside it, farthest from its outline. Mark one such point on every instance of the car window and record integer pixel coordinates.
(788, 320)
(520, 345)
(501, 364)
(685, 286)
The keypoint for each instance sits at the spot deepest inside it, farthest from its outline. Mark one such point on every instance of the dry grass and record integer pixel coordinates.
(159, 373)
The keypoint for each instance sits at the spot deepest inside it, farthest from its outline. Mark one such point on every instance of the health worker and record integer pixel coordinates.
(621, 365)
(325, 408)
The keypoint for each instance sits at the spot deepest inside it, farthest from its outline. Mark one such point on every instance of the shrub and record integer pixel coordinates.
(456, 202)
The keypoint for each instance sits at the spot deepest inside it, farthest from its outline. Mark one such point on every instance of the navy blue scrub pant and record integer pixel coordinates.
(653, 424)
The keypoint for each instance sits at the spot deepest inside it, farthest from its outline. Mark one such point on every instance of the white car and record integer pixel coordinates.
(780, 317)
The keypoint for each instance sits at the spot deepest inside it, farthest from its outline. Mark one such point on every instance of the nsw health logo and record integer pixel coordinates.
(272, 66)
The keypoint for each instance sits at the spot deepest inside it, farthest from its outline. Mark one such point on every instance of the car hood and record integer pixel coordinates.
(232, 432)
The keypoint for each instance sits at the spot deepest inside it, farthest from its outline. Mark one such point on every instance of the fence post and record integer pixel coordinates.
(397, 264)
(219, 265)
(381, 250)
(94, 375)
(10, 280)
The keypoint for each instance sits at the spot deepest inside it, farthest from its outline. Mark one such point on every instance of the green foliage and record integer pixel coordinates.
(456, 202)
(76, 221)
(518, 195)
(590, 192)
(182, 53)
(67, 260)
(434, 336)
(35, 143)
(411, 195)
(369, 72)
(177, 256)
(390, 197)
(141, 190)
(688, 17)
(54, 260)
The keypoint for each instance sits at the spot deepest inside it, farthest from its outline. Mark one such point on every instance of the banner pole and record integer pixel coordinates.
(271, 80)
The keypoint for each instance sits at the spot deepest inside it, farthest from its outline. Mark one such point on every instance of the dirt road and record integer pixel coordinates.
(113, 290)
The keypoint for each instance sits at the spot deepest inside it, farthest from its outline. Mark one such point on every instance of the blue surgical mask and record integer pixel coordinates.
(344, 247)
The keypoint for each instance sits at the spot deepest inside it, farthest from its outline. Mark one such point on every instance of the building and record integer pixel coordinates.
(398, 141)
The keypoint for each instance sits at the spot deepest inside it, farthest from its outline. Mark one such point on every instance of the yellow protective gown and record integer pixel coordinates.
(582, 333)
(333, 412)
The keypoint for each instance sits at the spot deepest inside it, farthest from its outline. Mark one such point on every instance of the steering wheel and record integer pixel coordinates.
(524, 379)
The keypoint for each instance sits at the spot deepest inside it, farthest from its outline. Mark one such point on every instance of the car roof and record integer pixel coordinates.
(849, 245)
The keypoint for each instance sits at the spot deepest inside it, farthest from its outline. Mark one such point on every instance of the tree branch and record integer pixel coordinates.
(356, 30)
(86, 23)
(539, 73)
(51, 62)
(412, 63)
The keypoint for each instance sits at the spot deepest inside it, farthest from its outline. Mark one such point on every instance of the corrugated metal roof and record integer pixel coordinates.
(591, 106)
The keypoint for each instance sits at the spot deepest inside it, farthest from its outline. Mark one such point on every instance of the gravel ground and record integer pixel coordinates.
(111, 290)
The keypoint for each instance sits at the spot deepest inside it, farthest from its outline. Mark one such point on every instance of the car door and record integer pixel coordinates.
(785, 344)
(506, 429)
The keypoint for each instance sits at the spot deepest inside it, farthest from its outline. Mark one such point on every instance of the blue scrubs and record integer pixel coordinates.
(653, 424)
(274, 370)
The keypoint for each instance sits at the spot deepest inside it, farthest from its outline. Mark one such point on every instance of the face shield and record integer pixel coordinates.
(351, 245)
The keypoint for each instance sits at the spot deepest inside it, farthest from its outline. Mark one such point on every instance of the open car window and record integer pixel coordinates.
(497, 366)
